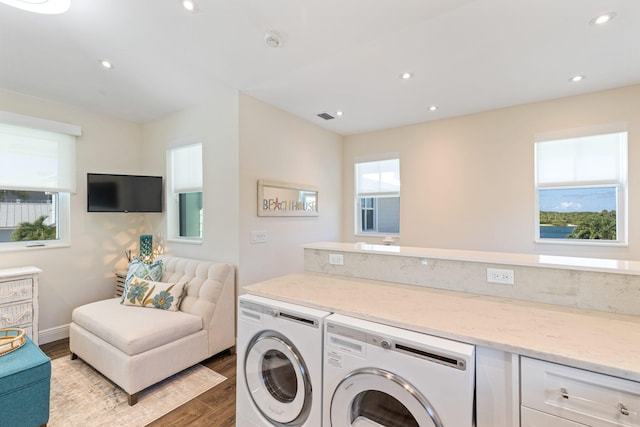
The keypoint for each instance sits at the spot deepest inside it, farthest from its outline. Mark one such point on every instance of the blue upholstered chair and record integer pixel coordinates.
(25, 380)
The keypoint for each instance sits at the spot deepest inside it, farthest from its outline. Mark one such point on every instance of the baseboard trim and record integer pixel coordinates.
(53, 334)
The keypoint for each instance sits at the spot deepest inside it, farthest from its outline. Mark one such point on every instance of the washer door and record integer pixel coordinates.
(277, 379)
(375, 397)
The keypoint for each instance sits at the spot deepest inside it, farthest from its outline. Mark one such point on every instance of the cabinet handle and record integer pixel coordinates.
(621, 407)
(15, 321)
(10, 294)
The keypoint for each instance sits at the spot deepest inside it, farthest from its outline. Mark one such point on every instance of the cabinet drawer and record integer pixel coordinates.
(13, 315)
(533, 418)
(582, 396)
(28, 329)
(16, 290)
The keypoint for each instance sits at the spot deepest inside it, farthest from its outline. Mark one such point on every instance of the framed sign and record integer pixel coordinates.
(286, 199)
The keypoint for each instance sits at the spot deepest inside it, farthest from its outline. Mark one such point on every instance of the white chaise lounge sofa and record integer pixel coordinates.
(137, 347)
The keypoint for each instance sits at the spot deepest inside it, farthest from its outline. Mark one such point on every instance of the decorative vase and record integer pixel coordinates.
(146, 248)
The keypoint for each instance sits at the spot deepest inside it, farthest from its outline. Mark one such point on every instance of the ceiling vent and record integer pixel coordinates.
(326, 116)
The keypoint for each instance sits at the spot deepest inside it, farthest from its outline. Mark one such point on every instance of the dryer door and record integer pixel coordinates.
(277, 379)
(375, 397)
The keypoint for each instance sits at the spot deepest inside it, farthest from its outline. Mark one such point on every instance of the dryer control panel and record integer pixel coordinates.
(354, 342)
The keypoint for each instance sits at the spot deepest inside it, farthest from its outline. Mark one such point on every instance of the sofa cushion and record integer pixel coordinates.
(205, 281)
(160, 295)
(133, 330)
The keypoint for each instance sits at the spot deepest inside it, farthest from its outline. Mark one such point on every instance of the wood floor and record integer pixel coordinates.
(213, 408)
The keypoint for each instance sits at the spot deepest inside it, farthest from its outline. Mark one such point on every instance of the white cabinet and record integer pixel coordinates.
(533, 418)
(497, 388)
(555, 395)
(19, 299)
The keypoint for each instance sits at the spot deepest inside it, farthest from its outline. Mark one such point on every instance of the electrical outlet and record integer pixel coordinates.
(258, 237)
(498, 275)
(336, 259)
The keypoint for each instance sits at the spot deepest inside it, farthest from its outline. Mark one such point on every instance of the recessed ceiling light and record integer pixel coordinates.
(190, 5)
(577, 78)
(272, 39)
(50, 7)
(339, 113)
(433, 108)
(603, 18)
(406, 75)
(106, 64)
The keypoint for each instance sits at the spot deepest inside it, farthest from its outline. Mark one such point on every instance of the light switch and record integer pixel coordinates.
(258, 237)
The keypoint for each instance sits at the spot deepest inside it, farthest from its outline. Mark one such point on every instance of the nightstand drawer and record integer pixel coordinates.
(16, 290)
(28, 329)
(578, 395)
(13, 315)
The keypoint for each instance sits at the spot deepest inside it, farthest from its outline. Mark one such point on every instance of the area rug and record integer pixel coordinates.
(81, 396)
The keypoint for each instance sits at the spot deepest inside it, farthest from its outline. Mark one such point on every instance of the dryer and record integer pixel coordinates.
(279, 364)
(379, 375)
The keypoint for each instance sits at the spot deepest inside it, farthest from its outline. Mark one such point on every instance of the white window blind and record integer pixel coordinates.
(186, 169)
(37, 160)
(597, 158)
(378, 178)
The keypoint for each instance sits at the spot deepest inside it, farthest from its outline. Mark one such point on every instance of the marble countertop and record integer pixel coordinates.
(527, 260)
(593, 340)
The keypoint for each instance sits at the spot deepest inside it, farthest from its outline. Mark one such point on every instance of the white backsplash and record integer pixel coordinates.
(571, 287)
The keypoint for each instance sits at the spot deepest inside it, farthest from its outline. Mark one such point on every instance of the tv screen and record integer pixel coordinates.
(123, 193)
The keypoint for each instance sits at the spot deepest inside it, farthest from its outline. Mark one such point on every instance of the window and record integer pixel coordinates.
(28, 216)
(184, 192)
(581, 189)
(377, 196)
(37, 176)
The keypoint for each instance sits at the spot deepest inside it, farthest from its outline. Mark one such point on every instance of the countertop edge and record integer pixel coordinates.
(19, 271)
(600, 265)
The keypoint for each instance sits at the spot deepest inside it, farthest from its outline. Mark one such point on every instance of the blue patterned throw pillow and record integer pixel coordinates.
(160, 295)
(144, 271)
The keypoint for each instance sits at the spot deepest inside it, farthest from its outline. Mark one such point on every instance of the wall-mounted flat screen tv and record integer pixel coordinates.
(123, 193)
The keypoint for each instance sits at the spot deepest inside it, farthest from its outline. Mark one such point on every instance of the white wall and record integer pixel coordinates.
(243, 140)
(82, 272)
(215, 125)
(274, 145)
(467, 182)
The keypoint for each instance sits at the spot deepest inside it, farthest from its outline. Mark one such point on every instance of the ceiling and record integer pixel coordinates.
(465, 56)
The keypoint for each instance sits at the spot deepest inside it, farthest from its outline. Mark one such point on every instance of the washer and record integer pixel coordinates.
(378, 375)
(279, 368)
